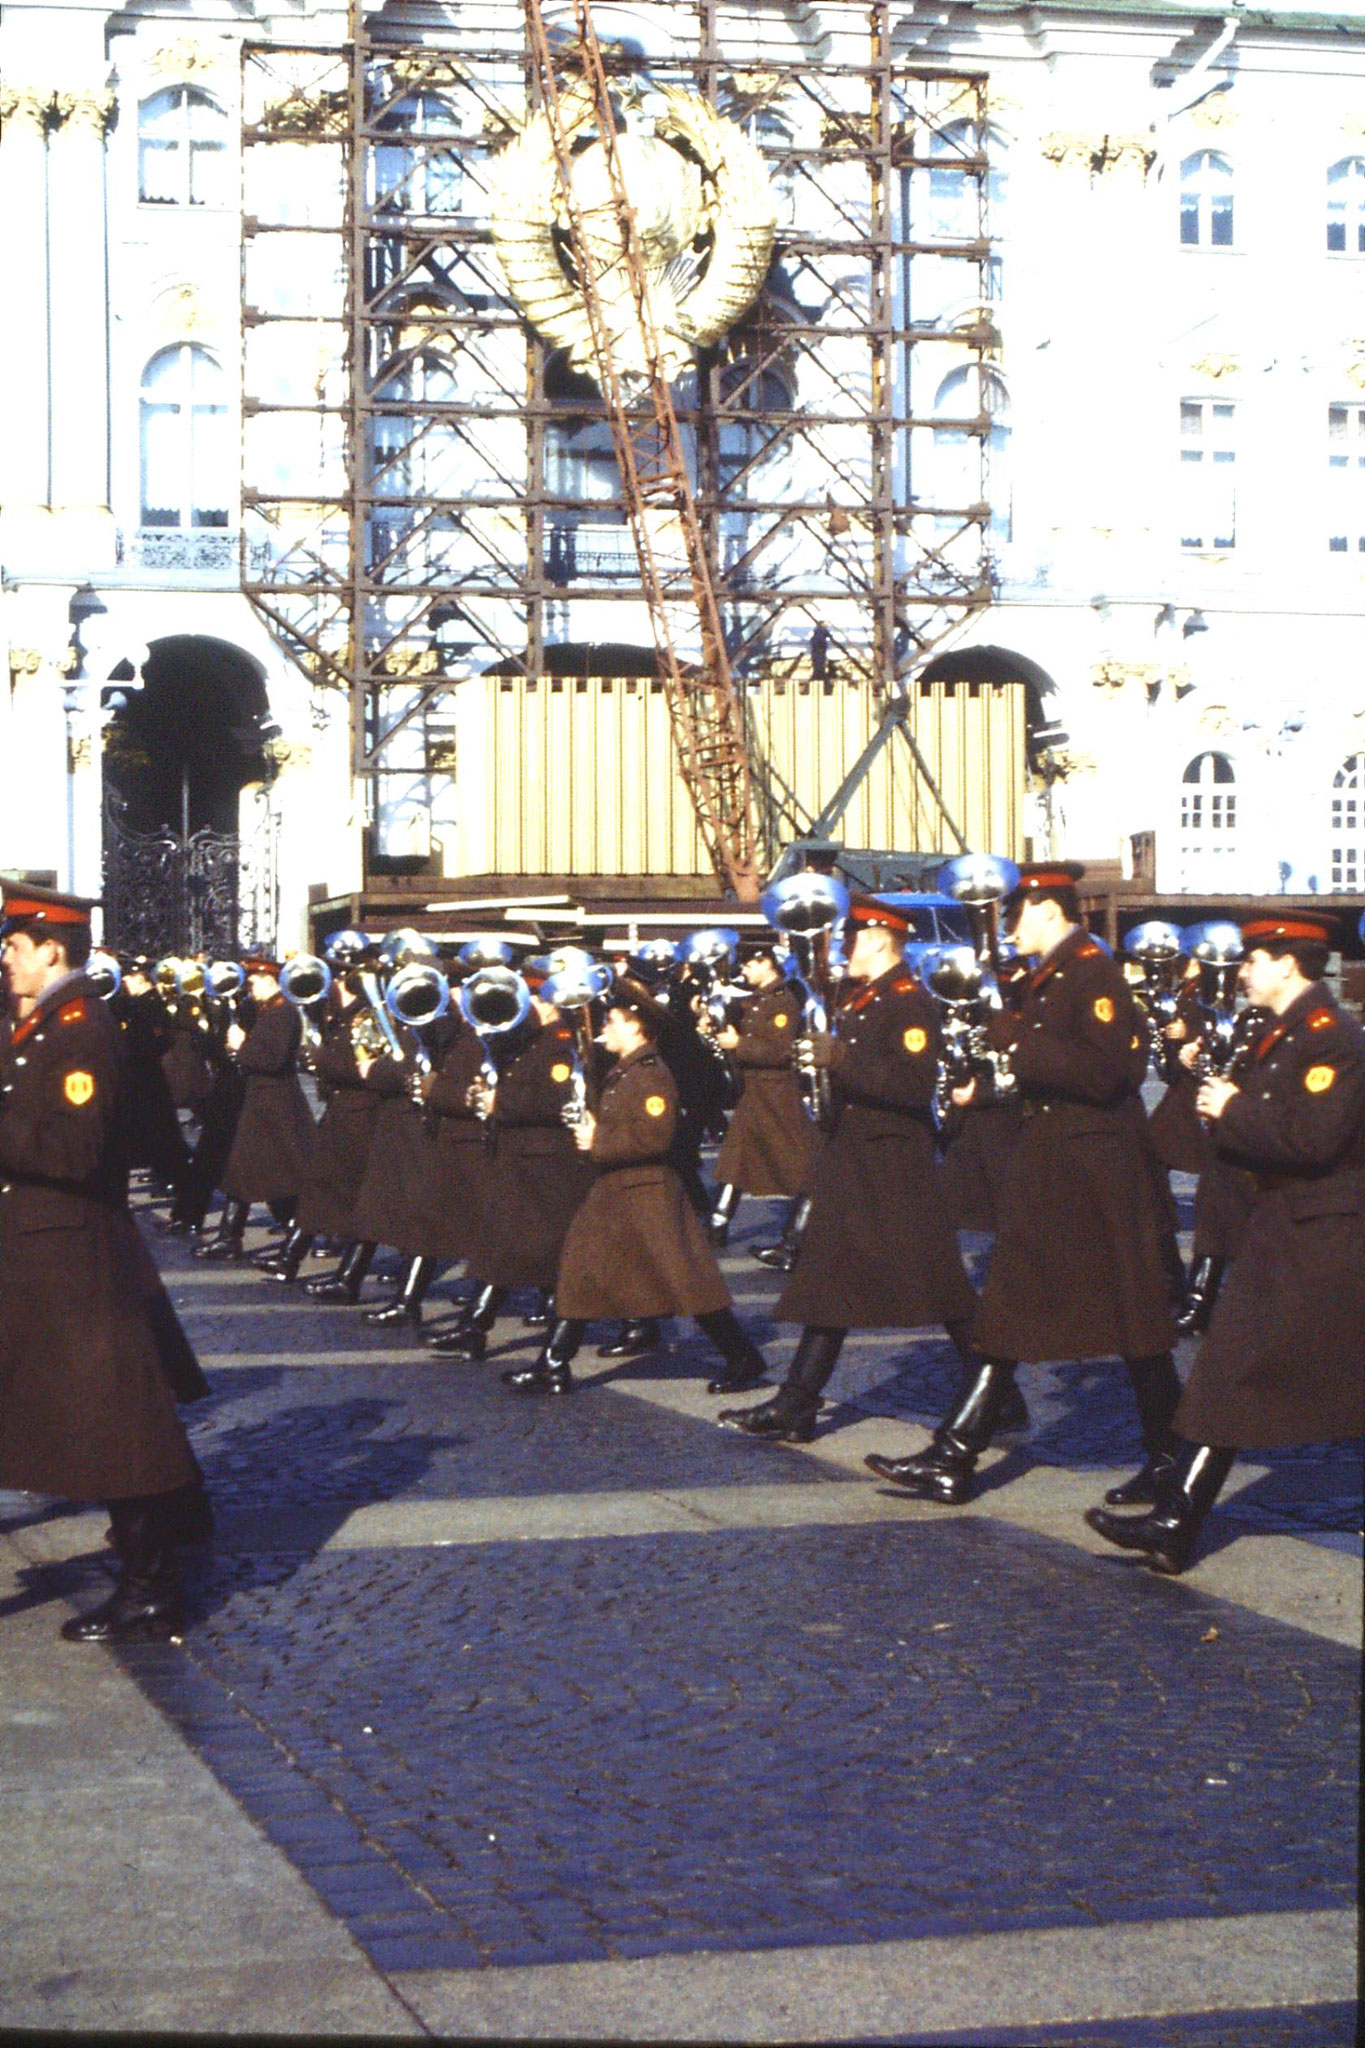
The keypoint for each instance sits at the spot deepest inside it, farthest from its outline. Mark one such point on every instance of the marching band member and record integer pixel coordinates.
(272, 1145)
(155, 1137)
(879, 1250)
(767, 1148)
(536, 1175)
(1284, 1358)
(636, 1248)
(1079, 1267)
(341, 1142)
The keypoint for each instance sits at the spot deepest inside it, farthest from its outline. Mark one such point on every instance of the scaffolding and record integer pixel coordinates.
(433, 493)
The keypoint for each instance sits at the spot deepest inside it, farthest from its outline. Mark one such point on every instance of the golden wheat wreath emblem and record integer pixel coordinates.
(704, 210)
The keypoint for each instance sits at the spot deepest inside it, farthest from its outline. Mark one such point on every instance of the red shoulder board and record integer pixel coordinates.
(1320, 1019)
(72, 1013)
(903, 986)
(563, 1031)
(1089, 951)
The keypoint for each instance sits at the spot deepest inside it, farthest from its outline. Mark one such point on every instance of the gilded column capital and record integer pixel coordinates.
(1100, 153)
(88, 112)
(26, 106)
(23, 661)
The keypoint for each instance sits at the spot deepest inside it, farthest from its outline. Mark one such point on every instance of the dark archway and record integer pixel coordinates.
(1003, 665)
(180, 750)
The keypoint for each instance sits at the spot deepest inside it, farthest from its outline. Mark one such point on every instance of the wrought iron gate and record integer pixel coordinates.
(209, 893)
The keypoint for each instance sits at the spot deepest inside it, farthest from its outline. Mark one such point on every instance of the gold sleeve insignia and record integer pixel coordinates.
(655, 1105)
(560, 1071)
(916, 1038)
(79, 1087)
(1319, 1079)
(780, 1019)
(1104, 1009)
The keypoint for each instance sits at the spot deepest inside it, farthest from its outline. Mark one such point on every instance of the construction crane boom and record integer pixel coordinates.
(704, 704)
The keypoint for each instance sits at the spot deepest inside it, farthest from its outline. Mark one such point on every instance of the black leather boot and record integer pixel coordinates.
(1201, 1296)
(345, 1284)
(550, 1374)
(722, 1214)
(469, 1338)
(745, 1365)
(148, 1603)
(227, 1241)
(782, 1256)
(944, 1471)
(541, 1314)
(406, 1306)
(284, 1265)
(789, 1418)
(1188, 1489)
(632, 1339)
(1156, 1389)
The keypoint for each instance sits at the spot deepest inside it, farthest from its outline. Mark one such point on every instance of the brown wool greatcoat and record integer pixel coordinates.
(880, 1251)
(185, 1064)
(273, 1144)
(1284, 1359)
(636, 1247)
(767, 1149)
(92, 1358)
(456, 1193)
(1078, 1269)
(537, 1177)
(976, 1163)
(341, 1150)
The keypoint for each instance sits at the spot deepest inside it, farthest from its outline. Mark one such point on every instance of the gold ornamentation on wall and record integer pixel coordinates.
(1215, 368)
(30, 104)
(1100, 153)
(1355, 364)
(411, 661)
(187, 59)
(1117, 675)
(23, 661)
(91, 112)
(1217, 111)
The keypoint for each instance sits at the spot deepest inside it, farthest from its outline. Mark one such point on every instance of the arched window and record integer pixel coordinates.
(187, 459)
(1346, 207)
(182, 149)
(1348, 824)
(1206, 201)
(419, 173)
(1208, 821)
(957, 480)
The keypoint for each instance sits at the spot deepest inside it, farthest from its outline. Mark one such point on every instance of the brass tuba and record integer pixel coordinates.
(416, 996)
(806, 908)
(495, 1002)
(1158, 949)
(966, 978)
(1218, 947)
(306, 982)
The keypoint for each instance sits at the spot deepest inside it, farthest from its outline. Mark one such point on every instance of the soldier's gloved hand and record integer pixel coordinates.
(826, 1051)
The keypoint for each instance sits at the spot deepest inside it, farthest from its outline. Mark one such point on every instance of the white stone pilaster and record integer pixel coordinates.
(80, 330)
(24, 115)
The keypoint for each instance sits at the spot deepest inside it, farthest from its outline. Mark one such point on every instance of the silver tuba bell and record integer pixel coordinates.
(107, 976)
(495, 1002)
(1158, 949)
(1217, 946)
(576, 984)
(306, 982)
(712, 957)
(417, 995)
(966, 979)
(806, 908)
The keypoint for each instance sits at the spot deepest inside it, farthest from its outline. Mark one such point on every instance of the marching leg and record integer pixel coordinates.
(632, 1339)
(550, 1374)
(789, 1418)
(406, 1305)
(147, 1605)
(1156, 1389)
(469, 1338)
(1201, 1297)
(227, 1242)
(1186, 1491)
(944, 1471)
(722, 1213)
(745, 1365)
(345, 1284)
(284, 1264)
(782, 1256)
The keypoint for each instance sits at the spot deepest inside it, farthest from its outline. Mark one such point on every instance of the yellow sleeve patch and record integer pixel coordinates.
(916, 1038)
(560, 1071)
(655, 1105)
(780, 1019)
(79, 1087)
(1319, 1079)
(1104, 1009)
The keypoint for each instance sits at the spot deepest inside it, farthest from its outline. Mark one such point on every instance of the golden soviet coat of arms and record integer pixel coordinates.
(704, 213)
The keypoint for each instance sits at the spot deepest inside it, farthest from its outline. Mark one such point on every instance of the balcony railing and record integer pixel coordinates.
(211, 553)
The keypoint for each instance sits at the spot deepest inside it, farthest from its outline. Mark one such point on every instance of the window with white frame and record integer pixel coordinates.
(188, 462)
(1346, 479)
(1346, 207)
(1348, 825)
(1208, 457)
(958, 482)
(1206, 201)
(182, 142)
(419, 171)
(1208, 821)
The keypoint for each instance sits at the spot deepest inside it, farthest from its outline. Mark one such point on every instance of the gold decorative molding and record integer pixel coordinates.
(1117, 675)
(182, 314)
(411, 661)
(1354, 126)
(1100, 153)
(31, 105)
(1355, 364)
(23, 661)
(1214, 368)
(1215, 112)
(80, 752)
(91, 112)
(288, 753)
(187, 59)
(435, 71)
(1217, 721)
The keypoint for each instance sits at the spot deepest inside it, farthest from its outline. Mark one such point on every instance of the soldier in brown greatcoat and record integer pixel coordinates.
(879, 1251)
(272, 1146)
(341, 1146)
(636, 1248)
(1079, 1266)
(767, 1149)
(92, 1358)
(1284, 1359)
(536, 1177)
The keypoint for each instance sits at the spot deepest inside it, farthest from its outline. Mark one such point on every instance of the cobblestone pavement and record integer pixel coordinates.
(541, 1695)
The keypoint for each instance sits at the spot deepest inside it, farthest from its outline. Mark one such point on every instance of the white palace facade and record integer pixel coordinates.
(1174, 385)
